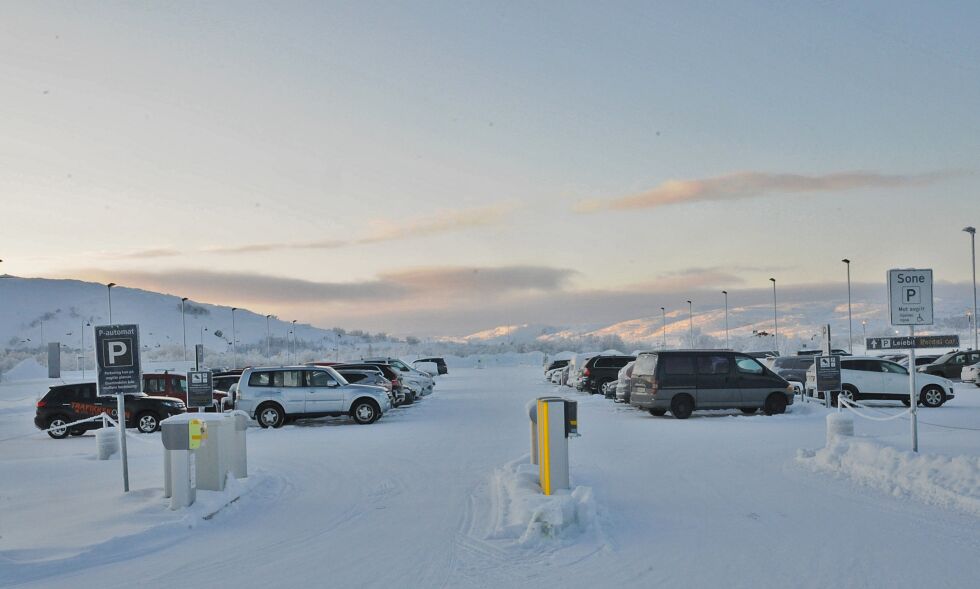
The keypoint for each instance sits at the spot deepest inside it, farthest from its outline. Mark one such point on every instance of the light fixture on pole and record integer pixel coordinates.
(690, 321)
(725, 292)
(183, 325)
(108, 288)
(775, 320)
(973, 256)
(234, 341)
(850, 326)
(295, 351)
(268, 337)
(663, 311)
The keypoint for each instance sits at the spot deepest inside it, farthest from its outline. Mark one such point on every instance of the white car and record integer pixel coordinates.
(276, 396)
(971, 374)
(866, 377)
(416, 380)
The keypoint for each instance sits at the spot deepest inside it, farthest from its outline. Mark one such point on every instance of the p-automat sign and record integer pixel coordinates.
(118, 354)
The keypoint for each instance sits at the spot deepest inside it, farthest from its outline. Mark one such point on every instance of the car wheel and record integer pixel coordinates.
(270, 416)
(147, 422)
(775, 404)
(56, 427)
(932, 396)
(748, 410)
(682, 406)
(658, 412)
(850, 393)
(365, 412)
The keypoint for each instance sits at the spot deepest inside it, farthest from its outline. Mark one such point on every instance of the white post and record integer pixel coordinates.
(121, 414)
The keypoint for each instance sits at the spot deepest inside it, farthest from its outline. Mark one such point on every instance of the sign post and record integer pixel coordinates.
(200, 389)
(117, 351)
(910, 303)
(198, 356)
(828, 376)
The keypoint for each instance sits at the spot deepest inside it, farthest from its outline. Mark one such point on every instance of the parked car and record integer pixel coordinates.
(224, 379)
(868, 377)
(971, 374)
(440, 362)
(555, 365)
(389, 372)
(792, 368)
(683, 381)
(172, 384)
(920, 360)
(623, 383)
(833, 352)
(372, 376)
(416, 380)
(951, 365)
(276, 396)
(600, 370)
(64, 404)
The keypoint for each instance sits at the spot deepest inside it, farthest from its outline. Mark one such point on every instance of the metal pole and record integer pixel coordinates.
(268, 338)
(183, 324)
(690, 321)
(663, 311)
(775, 321)
(234, 343)
(973, 256)
(913, 401)
(109, 298)
(295, 351)
(725, 292)
(864, 330)
(850, 326)
(121, 415)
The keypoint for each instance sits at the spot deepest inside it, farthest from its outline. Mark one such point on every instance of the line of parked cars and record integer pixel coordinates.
(683, 381)
(272, 395)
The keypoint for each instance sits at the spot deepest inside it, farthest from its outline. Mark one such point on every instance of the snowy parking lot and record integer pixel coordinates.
(426, 498)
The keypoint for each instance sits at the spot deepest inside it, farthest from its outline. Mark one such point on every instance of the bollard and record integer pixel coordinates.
(839, 425)
(106, 443)
(532, 412)
(555, 420)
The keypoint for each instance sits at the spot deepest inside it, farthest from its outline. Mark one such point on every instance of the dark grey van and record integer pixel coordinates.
(683, 381)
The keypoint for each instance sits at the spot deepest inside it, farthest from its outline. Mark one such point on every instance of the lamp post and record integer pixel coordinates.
(864, 331)
(973, 256)
(108, 288)
(775, 320)
(183, 325)
(234, 341)
(725, 292)
(268, 338)
(850, 326)
(663, 311)
(690, 321)
(295, 351)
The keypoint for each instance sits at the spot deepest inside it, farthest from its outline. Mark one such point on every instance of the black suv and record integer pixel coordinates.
(64, 404)
(951, 365)
(792, 368)
(440, 362)
(602, 369)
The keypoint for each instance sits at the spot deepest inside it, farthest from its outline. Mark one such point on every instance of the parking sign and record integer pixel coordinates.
(910, 297)
(828, 373)
(117, 350)
(200, 388)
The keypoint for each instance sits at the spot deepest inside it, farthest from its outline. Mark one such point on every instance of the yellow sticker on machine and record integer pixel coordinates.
(197, 430)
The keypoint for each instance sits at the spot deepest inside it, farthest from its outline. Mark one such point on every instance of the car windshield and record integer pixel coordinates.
(400, 365)
(944, 357)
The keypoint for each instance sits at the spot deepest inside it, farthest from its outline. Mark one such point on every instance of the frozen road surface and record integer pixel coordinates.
(718, 500)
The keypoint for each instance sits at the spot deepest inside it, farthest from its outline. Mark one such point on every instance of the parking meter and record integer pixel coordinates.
(181, 438)
(553, 421)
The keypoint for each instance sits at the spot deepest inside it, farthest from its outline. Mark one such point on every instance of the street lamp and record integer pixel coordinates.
(725, 292)
(234, 340)
(109, 298)
(850, 327)
(295, 351)
(268, 337)
(973, 251)
(775, 321)
(183, 324)
(663, 311)
(864, 331)
(690, 321)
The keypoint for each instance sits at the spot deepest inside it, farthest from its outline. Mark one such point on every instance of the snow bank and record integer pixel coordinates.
(26, 369)
(950, 482)
(526, 516)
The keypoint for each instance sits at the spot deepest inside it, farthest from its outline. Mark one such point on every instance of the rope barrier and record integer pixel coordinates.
(841, 400)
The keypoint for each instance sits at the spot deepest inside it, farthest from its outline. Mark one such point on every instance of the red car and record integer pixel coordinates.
(174, 385)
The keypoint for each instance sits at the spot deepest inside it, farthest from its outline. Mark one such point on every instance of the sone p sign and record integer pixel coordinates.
(910, 297)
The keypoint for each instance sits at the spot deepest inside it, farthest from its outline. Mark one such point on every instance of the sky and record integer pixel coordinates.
(441, 168)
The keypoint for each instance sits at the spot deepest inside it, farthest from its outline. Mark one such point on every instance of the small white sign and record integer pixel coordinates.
(910, 297)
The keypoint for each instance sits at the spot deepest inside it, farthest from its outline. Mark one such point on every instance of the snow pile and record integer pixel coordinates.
(950, 482)
(26, 369)
(526, 516)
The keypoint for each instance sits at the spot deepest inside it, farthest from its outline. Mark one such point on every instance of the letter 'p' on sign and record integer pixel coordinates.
(119, 353)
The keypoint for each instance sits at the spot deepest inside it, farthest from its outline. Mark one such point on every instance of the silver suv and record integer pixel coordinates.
(276, 396)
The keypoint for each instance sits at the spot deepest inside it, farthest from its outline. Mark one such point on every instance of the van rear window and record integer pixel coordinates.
(646, 364)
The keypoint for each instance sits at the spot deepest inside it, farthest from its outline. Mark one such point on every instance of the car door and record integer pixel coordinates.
(324, 393)
(865, 375)
(715, 387)
(895, 381)
(289, 384)
(752, 381)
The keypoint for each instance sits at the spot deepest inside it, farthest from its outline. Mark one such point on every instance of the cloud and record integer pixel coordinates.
(742, 185)
(141, 254)
(445, 221)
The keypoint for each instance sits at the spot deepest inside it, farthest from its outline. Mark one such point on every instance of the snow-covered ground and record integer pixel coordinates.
(438, 494)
